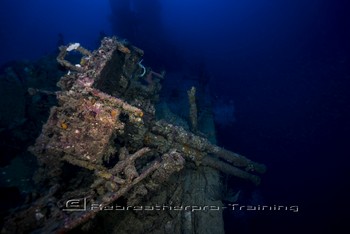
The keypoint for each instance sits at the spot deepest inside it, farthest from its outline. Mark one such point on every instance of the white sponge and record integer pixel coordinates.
(73, 46)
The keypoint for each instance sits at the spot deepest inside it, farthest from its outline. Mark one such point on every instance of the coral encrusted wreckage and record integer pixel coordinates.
(102, 147)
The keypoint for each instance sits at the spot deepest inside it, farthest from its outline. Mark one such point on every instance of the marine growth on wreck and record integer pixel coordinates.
(103, 148)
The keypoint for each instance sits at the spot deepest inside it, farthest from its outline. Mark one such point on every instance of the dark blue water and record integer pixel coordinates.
(284, 65)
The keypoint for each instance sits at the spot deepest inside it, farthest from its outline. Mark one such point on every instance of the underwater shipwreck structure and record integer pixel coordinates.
(106, 161)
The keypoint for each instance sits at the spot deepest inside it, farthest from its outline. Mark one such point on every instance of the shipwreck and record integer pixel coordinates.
(105, 159)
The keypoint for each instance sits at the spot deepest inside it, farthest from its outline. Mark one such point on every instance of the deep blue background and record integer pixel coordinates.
(285, 64)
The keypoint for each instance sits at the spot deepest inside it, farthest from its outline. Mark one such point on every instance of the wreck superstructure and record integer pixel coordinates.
(105, 130)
